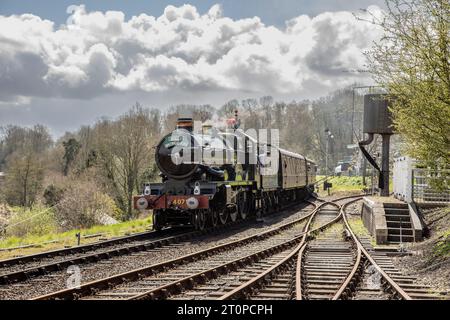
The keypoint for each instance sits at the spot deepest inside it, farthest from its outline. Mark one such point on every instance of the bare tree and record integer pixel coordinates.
(124, 152)
(23, 150)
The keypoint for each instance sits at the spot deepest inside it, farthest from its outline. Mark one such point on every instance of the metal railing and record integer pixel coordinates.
(424, 189)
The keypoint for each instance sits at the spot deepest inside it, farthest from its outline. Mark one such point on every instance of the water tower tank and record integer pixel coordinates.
(377, 117)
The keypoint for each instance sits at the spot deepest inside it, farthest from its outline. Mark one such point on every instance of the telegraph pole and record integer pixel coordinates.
(329, 136)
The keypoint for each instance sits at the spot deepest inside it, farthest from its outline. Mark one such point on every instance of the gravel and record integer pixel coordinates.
(214, 260)
(93, 271)
(430, 268)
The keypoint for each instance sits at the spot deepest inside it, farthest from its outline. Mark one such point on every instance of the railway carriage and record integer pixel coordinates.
(213, 177)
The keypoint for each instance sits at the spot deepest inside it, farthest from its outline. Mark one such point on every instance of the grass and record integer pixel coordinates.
(68, 238)
(342, 184)
(335, 228)
(442, 247)
(357, 226)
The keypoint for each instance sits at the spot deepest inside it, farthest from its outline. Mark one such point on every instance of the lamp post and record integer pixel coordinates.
(329, 136)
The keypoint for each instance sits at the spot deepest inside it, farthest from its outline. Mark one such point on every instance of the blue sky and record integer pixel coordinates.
(271, 12)
(198, 53)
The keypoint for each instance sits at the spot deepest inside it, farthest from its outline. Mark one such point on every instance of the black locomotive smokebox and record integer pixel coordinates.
(377, 117)
(164, 161)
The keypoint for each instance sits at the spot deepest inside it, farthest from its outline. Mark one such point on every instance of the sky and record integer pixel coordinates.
(66, 63)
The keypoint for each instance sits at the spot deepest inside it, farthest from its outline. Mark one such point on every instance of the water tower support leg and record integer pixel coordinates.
(385, 165)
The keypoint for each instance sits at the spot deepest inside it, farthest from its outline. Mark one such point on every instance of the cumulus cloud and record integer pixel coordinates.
(100, 52)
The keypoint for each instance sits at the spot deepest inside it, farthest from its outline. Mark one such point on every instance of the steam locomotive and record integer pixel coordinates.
(215, 176)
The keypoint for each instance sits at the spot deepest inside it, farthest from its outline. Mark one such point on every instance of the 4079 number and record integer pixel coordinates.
(179, 202)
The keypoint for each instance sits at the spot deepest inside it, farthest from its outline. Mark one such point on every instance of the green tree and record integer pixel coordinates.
(412, 62)
(71, 148)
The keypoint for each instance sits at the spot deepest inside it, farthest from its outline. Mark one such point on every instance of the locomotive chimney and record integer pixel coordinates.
(237, 122)
(185, 123)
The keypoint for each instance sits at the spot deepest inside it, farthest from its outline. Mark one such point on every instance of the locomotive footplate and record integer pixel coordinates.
(181, 202)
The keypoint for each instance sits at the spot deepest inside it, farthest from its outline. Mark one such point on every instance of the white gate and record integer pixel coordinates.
(413, 184)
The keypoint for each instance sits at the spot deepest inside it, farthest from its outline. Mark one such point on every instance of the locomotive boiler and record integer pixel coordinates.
(210, 177)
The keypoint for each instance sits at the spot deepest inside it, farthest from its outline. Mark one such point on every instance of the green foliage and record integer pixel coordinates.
(442, 247)
(412, 62)
(83, 205)
(52, 195)
(107, 205)
(71, 147)
(68, 237)
(344, 183)
(347, 181)
(36, 221)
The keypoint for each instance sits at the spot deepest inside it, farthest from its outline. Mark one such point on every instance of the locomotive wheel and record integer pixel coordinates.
(234, 215)
(243, 205)
(200, 220)
(278, 202)
(272, 203)
(265, 205)
(157, 220)
(223, 216)
(214, 218)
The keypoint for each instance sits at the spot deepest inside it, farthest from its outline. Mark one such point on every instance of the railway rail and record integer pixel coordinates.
(75, 250)
(21, 272)
(196, 266)
(379, 266)
(279, 281)
(315, 256)
(25, 268)
(331, 263)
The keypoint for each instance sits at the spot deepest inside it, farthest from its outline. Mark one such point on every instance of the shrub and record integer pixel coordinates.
(106, 205)
(82, 205)
(36, 221)
(52, 195)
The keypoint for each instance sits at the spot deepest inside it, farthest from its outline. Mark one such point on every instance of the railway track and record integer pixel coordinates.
(171, 278)
(43, 264)
(325, 260)
(74, 250)
(159, 279)
(334, 263)
(270, 278)
(279, 281)
(329, 262)
(315, 256)
(375, 276)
